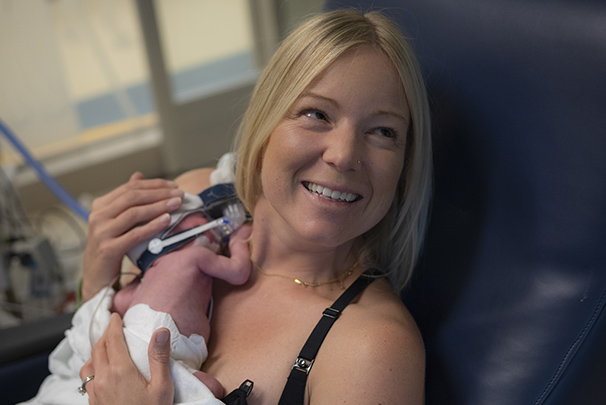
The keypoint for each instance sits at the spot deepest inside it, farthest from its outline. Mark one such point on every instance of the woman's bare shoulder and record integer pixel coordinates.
(194, 181)
(376, 354)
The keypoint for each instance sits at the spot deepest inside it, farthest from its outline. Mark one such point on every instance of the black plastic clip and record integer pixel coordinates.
(331, 313)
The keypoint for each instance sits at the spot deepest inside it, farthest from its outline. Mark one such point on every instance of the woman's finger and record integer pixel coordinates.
(122, 237)
(115, 205)
(87, 369)
(137, 181)
(117, 351)
(98, 354)
(136, 176)
(158, 353)
(142, 212)
(159, 356)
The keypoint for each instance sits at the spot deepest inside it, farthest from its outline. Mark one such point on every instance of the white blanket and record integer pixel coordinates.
(140, 322)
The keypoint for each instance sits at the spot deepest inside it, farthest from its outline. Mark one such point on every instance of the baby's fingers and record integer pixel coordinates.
(238, 244)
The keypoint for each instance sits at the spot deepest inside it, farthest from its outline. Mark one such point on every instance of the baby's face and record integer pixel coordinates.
(191, 221)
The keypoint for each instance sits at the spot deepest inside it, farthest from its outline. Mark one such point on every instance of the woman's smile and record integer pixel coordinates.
(330, 194)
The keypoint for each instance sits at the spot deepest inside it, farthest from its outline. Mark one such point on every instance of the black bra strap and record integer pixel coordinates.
(294, 391)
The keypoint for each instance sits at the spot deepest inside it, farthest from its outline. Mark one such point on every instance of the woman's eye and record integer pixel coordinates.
(316, 115)
(386, 132)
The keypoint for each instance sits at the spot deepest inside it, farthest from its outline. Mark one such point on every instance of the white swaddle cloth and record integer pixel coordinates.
(140, 322)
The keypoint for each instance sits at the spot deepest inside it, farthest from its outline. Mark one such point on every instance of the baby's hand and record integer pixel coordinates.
(239, 257)
(235, 268)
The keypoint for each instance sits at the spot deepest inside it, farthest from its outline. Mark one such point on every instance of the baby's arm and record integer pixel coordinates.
(236, 268)
(180, 282)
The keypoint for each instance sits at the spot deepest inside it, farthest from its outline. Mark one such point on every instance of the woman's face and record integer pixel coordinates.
(332, 164)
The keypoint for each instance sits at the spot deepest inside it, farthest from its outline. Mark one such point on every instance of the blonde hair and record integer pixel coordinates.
(394, 243)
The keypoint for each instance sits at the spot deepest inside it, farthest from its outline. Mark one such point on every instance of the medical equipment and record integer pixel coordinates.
(34, 279)
(219, 205)
(50, 182)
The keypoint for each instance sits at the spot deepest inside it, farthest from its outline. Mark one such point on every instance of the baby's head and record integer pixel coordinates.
(206, 239)
(218, 207)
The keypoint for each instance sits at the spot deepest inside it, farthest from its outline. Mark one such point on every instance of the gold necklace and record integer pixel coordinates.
(312, 284)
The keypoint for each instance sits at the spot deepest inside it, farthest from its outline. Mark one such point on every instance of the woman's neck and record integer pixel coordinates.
(289, 256)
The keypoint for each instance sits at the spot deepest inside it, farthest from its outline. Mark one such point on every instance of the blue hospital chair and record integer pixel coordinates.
(511, 288)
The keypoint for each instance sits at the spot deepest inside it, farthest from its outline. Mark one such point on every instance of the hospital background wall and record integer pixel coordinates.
(96, 90)
(76, 84)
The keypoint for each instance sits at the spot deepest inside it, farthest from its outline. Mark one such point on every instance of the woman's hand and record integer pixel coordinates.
(113, 229)
(117, 380)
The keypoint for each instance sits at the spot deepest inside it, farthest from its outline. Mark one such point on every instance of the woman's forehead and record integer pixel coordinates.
(363, 72)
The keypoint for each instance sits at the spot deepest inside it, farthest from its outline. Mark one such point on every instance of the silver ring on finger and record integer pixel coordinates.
(82, 388)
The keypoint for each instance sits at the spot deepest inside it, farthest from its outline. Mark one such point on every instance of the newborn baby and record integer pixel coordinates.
(175, 293)
(180, 283)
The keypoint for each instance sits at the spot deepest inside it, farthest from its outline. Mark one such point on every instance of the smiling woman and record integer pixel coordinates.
(334, 167)
(289, 92)
(331, 127)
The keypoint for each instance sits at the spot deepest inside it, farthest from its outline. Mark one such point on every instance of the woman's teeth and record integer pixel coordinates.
(330, 194)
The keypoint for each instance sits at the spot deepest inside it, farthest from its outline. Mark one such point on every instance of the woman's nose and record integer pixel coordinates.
(342, 149)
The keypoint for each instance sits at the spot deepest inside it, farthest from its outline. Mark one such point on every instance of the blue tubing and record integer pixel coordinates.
(50, 182)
